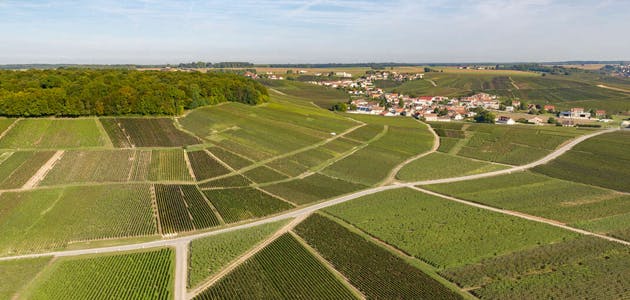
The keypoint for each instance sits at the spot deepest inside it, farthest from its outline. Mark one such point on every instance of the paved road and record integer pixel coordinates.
(180, 243)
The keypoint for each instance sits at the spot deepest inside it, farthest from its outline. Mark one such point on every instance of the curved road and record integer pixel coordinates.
(180, 243)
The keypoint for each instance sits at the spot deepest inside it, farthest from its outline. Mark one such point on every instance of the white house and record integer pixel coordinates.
(505, 120)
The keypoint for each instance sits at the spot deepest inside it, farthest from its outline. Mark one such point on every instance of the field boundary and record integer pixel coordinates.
(391, 177)
(43, 171)
(9, 128)
(523, 216)
(240, 260)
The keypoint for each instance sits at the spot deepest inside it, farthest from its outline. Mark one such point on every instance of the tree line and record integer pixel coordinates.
(84, 92)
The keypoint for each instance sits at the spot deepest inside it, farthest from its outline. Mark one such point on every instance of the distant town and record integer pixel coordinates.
(369, 99)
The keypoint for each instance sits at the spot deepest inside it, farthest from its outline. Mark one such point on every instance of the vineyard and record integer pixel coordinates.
(264, 174)
(432, 229)
(168, 165)
(555, 199)
(231, 159)
(183, 208)
(142, 275)
(514, 145)
(15, 274)
(376, 272)
(582, 268)
(282, 270)
(312, 188)
(16, 168)
(47, 219)
(601, 161)
(440, 165)
(227, 182)
(53, 133)
(209, 255)
(146, 132)
(205, 166)
(244, 203)
(95, 166)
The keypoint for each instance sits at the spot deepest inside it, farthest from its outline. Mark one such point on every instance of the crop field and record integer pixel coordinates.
(143, 275)
(183, 208)
(551, 198)
(602, 160)
(231, 159)
(96, 166)
(440, 165)
(5, 123)
(146, 132)
(264, 174)
(245, 130)
(312, 188)
(514, 145)
(209, 255)
(15, 274)
(282, 270)
(376, 272)
(205, 166)
(372, 164)
(365, 133)
(582, 268)
(227, 182)
(321, 96)
(53, 133)
(48, 219)
(168, 165)
(432, 229)
(299, 163)
(16, 168)
(244, 203)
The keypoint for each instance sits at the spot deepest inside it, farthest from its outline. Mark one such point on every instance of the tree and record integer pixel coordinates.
(485, 117)
(551, 120)
(401, 103)
(339, 106)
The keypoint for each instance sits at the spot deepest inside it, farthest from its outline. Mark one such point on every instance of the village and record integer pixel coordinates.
(369, 99)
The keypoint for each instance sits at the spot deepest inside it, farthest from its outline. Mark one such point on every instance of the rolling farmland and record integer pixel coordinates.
(564, 201)
(432, 228)
(244, 203)
(146, 132)
(183, 208)
(205, 166)
(439, 165)
(15, 274)
(53, 133)
(47, 219)
(312, 188)
(16, 168)
(139, 275)
(209, 255)
(600, 161)
(168, 165)
(282, 270)
(376, 272)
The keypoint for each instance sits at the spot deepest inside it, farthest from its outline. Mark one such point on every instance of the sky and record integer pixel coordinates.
(312, 31)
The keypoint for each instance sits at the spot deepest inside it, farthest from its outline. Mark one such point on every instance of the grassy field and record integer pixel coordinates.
(183, 208)
(551, 198)
(16, 168)
(209, 255)
(48, 219)
(15, 274)
(601, 161)
(434, 230)
(146, 132)
(282, 270)
(244, 203)
(142, 275)
(376, 272)
(312, 188)
(439, 165)
(582, 268)
(53, 133)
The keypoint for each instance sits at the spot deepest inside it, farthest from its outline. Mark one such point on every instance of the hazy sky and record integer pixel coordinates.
(284, 31)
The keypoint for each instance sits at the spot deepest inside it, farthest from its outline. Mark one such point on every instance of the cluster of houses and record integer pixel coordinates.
(364, 86)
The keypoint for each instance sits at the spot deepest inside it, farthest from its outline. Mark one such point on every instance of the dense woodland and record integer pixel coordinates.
(82, 92)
